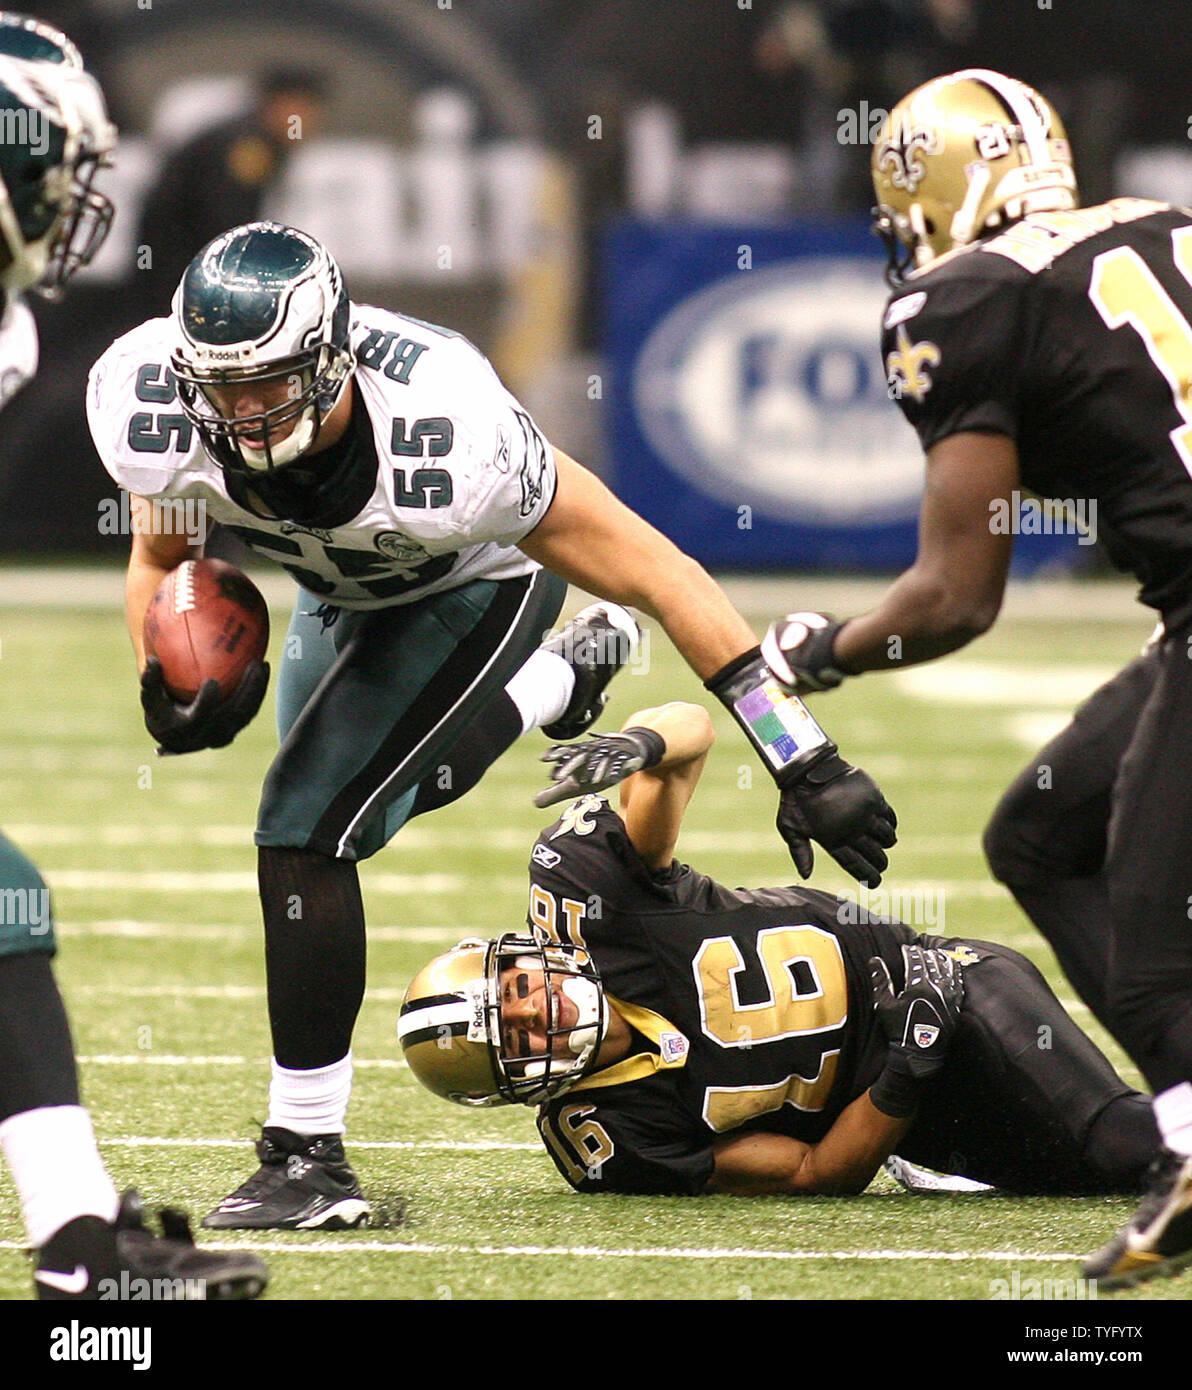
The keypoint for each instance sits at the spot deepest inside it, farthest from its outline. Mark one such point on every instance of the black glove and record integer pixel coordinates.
(798, 649)
(607, 760)
(841, 808)
(208, 721)
(919, 1024)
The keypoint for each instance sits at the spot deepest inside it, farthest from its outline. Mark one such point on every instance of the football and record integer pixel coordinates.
(207, 621)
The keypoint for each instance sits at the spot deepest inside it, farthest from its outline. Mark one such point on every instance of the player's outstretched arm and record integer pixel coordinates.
(949, 596)
(656, 759)
(593, 540)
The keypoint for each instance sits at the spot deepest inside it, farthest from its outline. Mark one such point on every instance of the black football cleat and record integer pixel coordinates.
(1157, 1239)
(304, 1183)
(596, 643)
(90, 1260)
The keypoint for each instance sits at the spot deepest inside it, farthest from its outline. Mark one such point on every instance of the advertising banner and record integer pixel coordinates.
(749, 412)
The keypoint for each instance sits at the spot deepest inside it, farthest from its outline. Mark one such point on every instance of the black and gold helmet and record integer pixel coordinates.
(961, 156)
(451, 1031)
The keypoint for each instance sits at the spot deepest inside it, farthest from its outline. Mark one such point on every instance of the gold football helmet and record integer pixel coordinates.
(451, 1028)
(963, 155)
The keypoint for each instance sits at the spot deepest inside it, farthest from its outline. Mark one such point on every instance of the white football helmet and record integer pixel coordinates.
(54, 136)
(261, 305)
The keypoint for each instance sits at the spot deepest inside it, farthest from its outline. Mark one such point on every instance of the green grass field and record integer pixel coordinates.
(153, 873)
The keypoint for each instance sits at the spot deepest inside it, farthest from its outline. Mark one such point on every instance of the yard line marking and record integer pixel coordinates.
(172, 1059)
(231, 931)
(245, 881)
(384, 995)
(379, 1247)
(145, 1141)
(237, 881)
(504, 838)
(1001, 683)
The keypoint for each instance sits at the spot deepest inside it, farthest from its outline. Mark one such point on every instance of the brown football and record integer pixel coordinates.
(207, 621)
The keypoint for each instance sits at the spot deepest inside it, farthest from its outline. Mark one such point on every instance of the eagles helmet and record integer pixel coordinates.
(22, 36)
(451, 1027)
(963, 155)
(263, 306)
(55, 136)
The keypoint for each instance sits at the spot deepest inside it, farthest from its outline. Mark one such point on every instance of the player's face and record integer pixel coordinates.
(244, 400)
(529, 1008)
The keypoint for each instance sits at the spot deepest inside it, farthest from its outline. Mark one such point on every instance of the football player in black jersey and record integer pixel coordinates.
(682, 1037)
(1034, 344)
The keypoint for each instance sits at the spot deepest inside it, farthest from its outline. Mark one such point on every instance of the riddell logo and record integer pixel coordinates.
(232, 354)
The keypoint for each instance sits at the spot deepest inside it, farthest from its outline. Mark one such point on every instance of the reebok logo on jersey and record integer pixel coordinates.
(547, 858)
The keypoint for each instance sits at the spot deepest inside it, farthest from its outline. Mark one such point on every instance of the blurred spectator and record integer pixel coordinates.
(221, 177)
(858, 57)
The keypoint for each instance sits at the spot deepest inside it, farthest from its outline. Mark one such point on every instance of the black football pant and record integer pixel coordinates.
(1105, 866)
(1027, 1102)
(1048, 838)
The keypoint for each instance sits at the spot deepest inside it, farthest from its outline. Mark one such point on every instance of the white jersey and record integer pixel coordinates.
(18, 347)
(463, 472)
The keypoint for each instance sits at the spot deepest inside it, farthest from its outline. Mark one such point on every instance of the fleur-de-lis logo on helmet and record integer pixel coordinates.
(899, 153)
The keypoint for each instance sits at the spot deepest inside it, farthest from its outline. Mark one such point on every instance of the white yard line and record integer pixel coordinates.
(597, 1252)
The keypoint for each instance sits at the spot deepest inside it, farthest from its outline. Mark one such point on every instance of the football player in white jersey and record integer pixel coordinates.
(89, 1242)
(431, 529)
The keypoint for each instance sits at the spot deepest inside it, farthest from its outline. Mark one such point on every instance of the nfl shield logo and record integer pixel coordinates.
(925, 1034)
(673, 1047)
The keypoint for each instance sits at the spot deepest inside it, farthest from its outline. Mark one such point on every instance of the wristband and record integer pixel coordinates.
(778, 724)
(897, 1091)
(655, 743)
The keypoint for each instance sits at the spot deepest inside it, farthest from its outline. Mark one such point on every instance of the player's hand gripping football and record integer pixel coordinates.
(208, 721)
(921, 1022)
(603, 762)
(841, 808)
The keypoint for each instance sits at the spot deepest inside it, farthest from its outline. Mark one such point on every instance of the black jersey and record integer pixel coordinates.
(750, 1009)
(1069, 332)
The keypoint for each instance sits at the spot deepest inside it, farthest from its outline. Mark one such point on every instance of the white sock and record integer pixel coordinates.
(541, 689)
(310, 1102)
(1173, 1114)
(57, 1169)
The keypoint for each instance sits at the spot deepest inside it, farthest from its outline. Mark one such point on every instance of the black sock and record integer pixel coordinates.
(314, 954)
(1124, 1139)
(37, 1065)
